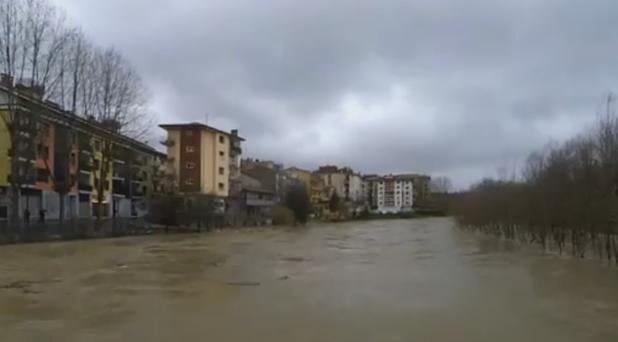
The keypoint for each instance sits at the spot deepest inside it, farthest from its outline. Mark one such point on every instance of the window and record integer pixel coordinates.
(43, 130)
(4, 212)
(42, 175)
(97, 145)
(190, 165)
(221, 139)
(221, 186)
(221, 171)
(73, 162)
(97, 164)
(43, 151)
(221, 153)
(189, 149)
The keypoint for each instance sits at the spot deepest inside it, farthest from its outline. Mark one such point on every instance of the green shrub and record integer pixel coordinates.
(282, 216)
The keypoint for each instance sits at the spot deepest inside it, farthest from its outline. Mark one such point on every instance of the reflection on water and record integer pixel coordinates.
(396, 280)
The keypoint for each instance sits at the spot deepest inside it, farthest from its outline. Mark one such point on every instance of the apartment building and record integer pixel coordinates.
(202, 158)
(303, 176)
(390, 194)
(347, 183)
(60, 161)
(271, 175)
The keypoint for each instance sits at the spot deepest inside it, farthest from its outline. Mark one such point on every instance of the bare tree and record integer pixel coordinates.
(567, 198)
(78, 57)
(441, 185)
(11, 29)
(59, 63)
(119, 108)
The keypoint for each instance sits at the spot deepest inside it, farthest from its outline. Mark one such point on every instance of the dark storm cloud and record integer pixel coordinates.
(455, 88)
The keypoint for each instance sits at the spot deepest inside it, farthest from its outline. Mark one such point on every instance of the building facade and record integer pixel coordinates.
(271, 175)
(202, 158)
(61, 162)
(303, 176)
(390, 194)
(346, 183)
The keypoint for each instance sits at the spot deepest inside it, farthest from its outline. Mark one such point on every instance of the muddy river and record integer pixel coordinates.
(396, 280)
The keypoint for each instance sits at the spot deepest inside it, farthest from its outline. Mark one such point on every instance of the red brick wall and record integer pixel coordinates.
(190, 178)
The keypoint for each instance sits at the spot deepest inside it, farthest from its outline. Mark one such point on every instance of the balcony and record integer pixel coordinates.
(84, 187)
(119, 187)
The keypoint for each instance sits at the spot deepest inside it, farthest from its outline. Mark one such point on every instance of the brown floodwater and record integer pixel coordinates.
(395, 280)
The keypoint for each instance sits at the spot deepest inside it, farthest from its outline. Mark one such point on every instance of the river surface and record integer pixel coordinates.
(395, 280)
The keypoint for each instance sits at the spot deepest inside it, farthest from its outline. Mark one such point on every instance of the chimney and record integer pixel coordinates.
(6, 80)
(234, 132)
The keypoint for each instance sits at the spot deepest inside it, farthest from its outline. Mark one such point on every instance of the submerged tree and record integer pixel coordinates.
(298, 201)
(566, 197)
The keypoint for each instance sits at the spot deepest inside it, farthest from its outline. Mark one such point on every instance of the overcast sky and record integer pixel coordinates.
(455, 88)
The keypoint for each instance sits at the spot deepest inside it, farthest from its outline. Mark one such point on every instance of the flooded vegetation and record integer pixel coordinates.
(566, 199)
(394, 280)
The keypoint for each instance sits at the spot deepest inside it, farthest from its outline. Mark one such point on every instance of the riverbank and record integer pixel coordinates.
(390, 216)
(85, 230)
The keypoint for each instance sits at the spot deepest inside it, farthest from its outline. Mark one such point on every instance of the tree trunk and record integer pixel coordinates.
(63, 231)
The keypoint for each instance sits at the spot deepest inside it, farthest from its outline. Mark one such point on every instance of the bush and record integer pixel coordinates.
(282, 216)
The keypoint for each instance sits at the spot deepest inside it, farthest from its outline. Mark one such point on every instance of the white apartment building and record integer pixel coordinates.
(390, 194)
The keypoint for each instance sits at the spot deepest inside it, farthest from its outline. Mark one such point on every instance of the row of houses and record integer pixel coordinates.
(74, 166)
(375, 193)
(203, 159)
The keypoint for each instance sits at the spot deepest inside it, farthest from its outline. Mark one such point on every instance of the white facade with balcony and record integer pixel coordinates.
(390, 194)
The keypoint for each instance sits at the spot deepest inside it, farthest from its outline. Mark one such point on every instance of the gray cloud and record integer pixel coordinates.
(449, 87)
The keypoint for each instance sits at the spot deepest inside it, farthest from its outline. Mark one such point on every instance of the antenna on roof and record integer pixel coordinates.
(206, 118)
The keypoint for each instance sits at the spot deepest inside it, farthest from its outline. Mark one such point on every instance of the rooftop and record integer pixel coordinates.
(296, 169)
(201, 126)
(53, 110)
(397, 176)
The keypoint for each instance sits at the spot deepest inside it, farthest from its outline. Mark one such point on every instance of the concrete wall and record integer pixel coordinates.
(222, 162)
(207, 162)
(212, 160)
(123, 207)
(336, 181)
(356, 188)
(51, 203)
